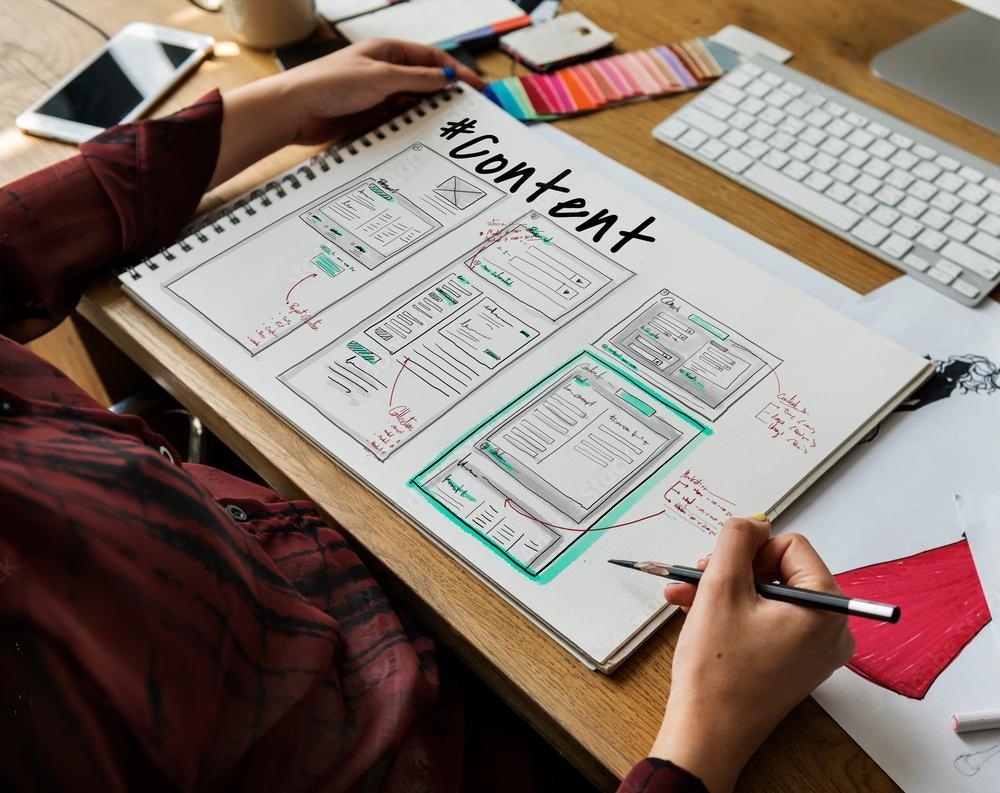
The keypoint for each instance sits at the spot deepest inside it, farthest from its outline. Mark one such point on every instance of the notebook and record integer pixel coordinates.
(541, 372)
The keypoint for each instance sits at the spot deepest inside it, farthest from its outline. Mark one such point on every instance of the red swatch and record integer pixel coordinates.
(943, 608)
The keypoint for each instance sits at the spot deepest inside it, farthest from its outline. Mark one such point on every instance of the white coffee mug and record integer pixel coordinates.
(266, 24)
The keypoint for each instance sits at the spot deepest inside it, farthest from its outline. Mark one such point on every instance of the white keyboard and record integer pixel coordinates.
(913, 200)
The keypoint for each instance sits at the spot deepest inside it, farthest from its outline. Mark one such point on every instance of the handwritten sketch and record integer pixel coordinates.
(972, 763)
(943, 608)
(549, 468)
(279, 282)
(958, 374)
(690, 499)
(675, 346)
(431, 348)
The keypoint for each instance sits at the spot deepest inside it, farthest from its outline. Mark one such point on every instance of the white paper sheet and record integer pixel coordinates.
(980, 518)
(895, 497)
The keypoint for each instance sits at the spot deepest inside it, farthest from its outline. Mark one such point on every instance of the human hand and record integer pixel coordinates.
(334, 89)
(342, 94)
(742, 662)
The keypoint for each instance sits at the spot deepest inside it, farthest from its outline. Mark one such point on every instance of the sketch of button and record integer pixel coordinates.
(458, 192)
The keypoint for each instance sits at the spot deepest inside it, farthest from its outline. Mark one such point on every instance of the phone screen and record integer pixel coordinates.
(129, 72)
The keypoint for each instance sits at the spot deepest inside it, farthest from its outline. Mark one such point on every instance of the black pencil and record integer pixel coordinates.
(809, 598)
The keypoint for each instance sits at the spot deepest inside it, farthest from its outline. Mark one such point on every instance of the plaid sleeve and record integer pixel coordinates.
(128, 192)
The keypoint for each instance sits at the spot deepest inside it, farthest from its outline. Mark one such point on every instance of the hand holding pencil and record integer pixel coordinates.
(743, 661)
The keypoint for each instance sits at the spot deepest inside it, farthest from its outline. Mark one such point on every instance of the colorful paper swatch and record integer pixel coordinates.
(630, 76)
(943, 608)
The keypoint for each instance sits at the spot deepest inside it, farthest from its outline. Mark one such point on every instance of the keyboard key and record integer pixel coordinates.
(752, 105)
(971, 174)
(776, 159)
(931, 239)
(791, 190)
(944, 275)
(728, 93)
(946, 202)
(834, 109)
(771, 115)
(912, 207)
(706, 123)
(712, 149)
(814, 136)
(735, 138)
(758, 88)
(877, 168)
(802, 151)
(969, 213)
(845, 173)
(958, 230)
(818, 118)
(907, 227)
(866, 183)
(862, 203)
(855, 119)
(796, 170)
(904, 159)
(839, 191)
(834, 146)
(855, 156)
(922, 190)
(963, 287)
(916, 262)
(948, 163)
(693, 138)
(896, 246)
(882, 149)
(984, 243)
(778, 98)
(818, 181)
(889, 195)
(935, 218)
(798, 108)
(871, 232)
(898, 139)
(992, 204)
(741, 119)
(735, 161)
(971, 260)
(950, 182)
(924, 152)
(738, 78)
(926, 170)
(673, 128)
(898, 179)
(793, 126)
(838, 128)
(991, 225)
(755, 149)
(973, 193)
(715, 107)
(860, 138)
(761, 131)
(884, 215)
(878, 130)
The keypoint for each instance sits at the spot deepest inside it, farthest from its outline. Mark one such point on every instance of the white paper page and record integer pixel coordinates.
(430, 21)
(979, 515)
(538, 391)
(336, 10)
(894, 497)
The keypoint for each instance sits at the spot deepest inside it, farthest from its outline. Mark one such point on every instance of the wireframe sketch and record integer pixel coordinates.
(336, 244)
(431, 348)
(943, 608)
(675, 346)
(559, 463)
(460, 193)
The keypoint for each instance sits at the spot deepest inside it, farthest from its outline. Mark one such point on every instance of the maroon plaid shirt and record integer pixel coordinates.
(167, 626)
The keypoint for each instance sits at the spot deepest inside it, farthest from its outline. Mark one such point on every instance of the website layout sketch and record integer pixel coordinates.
(677, 347)
(559, 464)
(391, 376)
(332, 247)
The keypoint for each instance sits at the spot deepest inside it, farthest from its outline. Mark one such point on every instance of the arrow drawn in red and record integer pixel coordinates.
(289, 295)
(508, 503)
(392, 390)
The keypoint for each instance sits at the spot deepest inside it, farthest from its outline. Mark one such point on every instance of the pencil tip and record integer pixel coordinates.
(622, 562)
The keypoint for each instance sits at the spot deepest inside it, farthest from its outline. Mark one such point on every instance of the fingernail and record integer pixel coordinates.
(760, 516)
(448, 72)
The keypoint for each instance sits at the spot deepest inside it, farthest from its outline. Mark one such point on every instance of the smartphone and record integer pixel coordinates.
(119, 82)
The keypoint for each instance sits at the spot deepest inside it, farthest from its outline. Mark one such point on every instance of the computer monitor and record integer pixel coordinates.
(955, 64)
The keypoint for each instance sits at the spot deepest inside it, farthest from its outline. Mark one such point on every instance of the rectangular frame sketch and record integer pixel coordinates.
(675, 346)
(536, 478)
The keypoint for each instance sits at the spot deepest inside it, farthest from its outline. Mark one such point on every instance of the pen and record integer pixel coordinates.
(789, 594)
(980, 720)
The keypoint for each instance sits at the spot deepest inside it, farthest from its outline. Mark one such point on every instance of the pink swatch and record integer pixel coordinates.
(943, 608)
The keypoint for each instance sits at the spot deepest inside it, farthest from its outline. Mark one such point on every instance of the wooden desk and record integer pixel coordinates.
(603, 724)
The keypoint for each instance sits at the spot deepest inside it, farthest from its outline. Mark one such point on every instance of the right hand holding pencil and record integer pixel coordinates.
(742, 662)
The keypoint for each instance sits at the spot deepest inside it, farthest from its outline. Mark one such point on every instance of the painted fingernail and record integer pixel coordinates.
(448, 72)
(760, 516)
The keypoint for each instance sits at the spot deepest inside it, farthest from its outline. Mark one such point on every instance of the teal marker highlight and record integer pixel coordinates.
(634, 401)
(709, 327)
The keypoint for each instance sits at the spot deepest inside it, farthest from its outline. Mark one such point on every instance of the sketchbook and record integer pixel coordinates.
(541, 372)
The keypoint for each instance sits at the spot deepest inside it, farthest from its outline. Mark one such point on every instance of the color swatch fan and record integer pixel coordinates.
(628, 77)
(943, 608)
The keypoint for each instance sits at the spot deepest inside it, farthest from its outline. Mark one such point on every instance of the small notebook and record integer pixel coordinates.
(540, 371)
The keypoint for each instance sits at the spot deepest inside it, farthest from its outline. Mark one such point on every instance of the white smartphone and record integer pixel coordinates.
(118, 83)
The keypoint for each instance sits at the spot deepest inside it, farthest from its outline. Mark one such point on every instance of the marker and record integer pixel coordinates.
(809, 598)
(977, 720)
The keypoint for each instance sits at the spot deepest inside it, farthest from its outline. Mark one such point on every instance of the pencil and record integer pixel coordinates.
(809, 598)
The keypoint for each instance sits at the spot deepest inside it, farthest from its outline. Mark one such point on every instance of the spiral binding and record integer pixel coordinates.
(232, 214)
